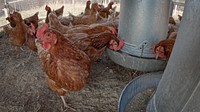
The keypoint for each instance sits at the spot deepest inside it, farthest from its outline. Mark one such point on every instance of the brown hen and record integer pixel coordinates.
(66, 67)
(63, 20)
(86, 19)
(91, 29)
(28, 29)
(32, 19)
(104, 12)
(17, 35)
(164, 48)
(58, 12)
(87, 8)
(93, 45)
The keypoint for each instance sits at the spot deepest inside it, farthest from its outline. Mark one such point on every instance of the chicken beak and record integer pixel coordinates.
(38, 40)
(156, 56)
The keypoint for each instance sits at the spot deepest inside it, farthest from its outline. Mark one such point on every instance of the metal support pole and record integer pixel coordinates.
(6, 9)
(171, 8)
(179, 88)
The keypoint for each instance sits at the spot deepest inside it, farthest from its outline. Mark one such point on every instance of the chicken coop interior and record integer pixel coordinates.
(99, 56)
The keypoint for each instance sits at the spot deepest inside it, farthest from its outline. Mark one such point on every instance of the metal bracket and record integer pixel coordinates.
(140, 50)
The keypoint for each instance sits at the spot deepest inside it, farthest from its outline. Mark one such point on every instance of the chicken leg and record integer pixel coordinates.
(65, 104)
(52, 85)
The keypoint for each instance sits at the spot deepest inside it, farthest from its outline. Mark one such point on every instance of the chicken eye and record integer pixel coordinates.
(48, 35)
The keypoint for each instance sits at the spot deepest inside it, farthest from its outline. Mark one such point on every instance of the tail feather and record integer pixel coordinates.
(36, 13)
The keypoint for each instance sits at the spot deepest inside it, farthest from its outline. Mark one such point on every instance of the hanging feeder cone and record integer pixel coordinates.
(142, 24)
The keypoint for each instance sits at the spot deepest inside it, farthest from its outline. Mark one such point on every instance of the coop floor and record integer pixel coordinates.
(24, 88)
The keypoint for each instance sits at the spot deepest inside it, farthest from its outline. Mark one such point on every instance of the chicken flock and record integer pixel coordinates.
(67, 46)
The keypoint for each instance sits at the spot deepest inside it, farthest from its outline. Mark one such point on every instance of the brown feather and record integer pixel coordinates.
(91, 29)
(65, 65)
(93, 45)
(104, 12)
(32, 19)
(86, 19)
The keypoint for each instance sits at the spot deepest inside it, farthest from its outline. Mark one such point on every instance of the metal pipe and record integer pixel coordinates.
(6, 9)
(5, 2)
(171, 8)
(179, 88)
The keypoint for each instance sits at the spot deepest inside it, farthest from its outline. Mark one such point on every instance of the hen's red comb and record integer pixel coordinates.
(41, 30)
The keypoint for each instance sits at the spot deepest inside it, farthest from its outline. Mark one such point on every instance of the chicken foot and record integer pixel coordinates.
(22, 49)
(65, 104)
(18, 48)
(58, 90)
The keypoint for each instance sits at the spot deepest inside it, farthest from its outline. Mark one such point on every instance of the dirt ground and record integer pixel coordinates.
(24, 88)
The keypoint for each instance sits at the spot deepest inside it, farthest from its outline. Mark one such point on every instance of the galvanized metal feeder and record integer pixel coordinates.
(142, 24)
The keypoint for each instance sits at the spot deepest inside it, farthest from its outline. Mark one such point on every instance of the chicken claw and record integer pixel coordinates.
(22, 49)
(65, 104)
